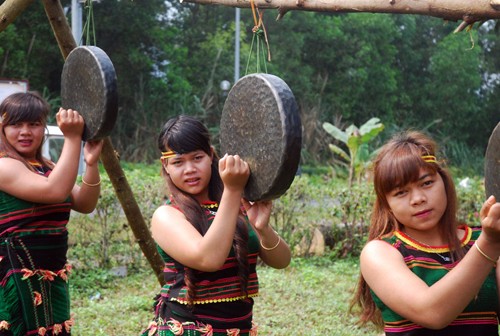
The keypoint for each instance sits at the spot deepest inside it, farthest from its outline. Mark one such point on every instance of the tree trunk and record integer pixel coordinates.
(453, 10)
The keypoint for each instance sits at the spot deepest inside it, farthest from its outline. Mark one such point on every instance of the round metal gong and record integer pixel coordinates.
(88, 85)
(492, 165)
(261, 123)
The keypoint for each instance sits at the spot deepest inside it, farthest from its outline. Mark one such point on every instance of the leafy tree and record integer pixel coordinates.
(453, 89)
(170, 58)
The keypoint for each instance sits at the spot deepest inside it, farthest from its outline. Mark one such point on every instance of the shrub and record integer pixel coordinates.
(104, 238)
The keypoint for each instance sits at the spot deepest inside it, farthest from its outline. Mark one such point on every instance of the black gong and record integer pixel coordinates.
(261, 123)
(88, 85)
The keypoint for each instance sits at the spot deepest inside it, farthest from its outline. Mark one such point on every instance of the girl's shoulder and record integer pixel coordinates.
(167, 209)
(379, 246)
(379, 255)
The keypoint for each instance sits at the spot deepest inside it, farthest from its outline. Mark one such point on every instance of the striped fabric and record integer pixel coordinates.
(220, 308)
(34, 296)
(479, 317)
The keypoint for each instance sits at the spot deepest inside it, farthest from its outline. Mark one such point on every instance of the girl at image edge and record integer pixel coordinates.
(422, 273)
(209, 238)
(36, 197)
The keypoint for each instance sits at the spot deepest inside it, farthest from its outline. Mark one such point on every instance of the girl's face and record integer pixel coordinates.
(419, 205)
(191, 173)
(26, 137)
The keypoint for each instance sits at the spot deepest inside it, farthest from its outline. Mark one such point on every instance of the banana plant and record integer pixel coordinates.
(356, 139)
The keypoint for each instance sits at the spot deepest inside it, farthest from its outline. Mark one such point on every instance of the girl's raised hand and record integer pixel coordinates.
(234, 172)
(70, 122)
(490, 219)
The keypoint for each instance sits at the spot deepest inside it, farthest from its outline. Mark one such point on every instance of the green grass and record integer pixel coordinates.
(310, 297)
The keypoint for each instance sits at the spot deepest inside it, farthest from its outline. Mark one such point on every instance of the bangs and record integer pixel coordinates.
(24, 107)
(26, 115)
(400, 169)
(188, 141)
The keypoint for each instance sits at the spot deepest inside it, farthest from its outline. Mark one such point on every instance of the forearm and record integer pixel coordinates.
(63, 176)
(274, 251)
(218, 240)
(443, 304)
(86, 196)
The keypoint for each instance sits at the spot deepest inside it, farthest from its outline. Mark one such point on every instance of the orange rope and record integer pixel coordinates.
(258, 24)
(253, 13)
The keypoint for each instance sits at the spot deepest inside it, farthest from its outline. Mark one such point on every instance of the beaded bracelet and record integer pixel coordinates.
(485, 255)
(271, 248)
(91, 184)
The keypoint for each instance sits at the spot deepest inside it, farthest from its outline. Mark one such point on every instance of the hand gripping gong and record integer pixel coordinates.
(261, 123)
(88, 85)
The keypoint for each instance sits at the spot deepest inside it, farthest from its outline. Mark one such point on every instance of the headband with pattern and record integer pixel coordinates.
(429, 158)
(168, 155)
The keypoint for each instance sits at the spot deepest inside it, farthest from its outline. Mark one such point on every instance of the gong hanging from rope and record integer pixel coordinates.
(492, 165)
(88, 85)
(261, 123)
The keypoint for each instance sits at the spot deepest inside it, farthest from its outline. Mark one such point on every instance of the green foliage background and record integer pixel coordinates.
(409, 71)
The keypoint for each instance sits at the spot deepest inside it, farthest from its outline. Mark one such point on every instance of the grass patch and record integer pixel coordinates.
(310, 297)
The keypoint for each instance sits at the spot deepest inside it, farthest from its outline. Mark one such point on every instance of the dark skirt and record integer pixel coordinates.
(33, 286)
(210, 319)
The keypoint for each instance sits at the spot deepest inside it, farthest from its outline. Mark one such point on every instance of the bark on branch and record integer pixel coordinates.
(452, 10)
(10, 10)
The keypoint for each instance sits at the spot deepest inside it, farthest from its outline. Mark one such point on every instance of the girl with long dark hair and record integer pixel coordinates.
(209, 237)
(422, 272)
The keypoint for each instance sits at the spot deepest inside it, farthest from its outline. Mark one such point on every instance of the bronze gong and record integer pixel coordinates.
(88, 85)
(492, 165)
(261, 123)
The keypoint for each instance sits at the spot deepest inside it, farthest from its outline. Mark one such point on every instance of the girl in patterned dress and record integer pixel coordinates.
(36, 197)
(209, 237)
(422, 273)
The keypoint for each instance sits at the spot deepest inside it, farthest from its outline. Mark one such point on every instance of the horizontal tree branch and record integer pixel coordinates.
(452, 10)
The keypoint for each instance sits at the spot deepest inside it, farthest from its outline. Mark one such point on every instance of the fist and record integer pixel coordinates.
(234, 172)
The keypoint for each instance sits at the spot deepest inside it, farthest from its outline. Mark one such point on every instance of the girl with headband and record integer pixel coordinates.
(209, 237)
(422, 273)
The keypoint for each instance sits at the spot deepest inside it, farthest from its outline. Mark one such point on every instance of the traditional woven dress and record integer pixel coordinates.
(219, 308)
(34, 297)
(431, 264)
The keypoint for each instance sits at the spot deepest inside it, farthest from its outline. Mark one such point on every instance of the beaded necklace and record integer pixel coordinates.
(209, 206)
(432, 249)
(37, 166)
